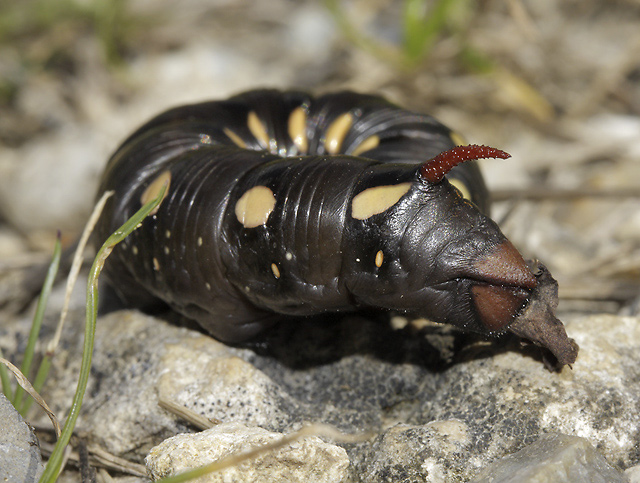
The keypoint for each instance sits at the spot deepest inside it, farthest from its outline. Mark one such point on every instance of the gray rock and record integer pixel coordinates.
(407, 453)
(309, 460)
(554, 458)
(20, 458)
(444, 406)
(633, 474)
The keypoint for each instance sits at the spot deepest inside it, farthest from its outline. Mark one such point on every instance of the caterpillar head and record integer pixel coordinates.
(442, 259)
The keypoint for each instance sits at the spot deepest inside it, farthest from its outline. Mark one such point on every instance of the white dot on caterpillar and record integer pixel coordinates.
(134, 250)
(247, 289)
(275, 270)
(199, 241)
(167, 233)
(288, 256)
(166, 250)
(208, 285)
(379, 258)
(156, 264)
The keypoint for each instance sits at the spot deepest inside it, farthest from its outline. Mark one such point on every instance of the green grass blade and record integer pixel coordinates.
(55, 461)
(36, 325)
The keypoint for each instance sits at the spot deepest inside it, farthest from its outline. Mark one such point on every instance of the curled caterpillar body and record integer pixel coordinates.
(281, 203)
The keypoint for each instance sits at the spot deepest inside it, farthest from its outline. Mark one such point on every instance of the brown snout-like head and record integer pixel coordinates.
(504, 286)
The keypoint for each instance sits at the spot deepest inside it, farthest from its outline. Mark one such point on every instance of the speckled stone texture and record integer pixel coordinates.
(553, 458)
(310, 460)
(443, 406)
(20, 458)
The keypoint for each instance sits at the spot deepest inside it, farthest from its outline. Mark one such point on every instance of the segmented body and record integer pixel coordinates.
(281, 203)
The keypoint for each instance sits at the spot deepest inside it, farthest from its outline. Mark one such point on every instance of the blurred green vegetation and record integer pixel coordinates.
(423, 24)
(41, 29)
(43, 35)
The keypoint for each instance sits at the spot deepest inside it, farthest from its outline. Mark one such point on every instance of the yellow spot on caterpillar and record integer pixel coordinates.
(208, 285)
(457, 139)
(152, 191)
(199, 241)
(337, 131)
(166, 250)
(275, 270)
(235, 139)
(134, 250)
(398, 322)
(254, 207)
(167, 233)
(156, 264)
(464, 191)
(288, 256)
(377, 200)
(298, 129)
(379, 258)
(257, 129)
(369, 143)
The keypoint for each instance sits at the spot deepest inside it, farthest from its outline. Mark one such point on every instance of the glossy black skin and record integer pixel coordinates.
(430, 238)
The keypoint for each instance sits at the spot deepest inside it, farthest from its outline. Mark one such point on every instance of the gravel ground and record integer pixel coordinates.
(555, 83)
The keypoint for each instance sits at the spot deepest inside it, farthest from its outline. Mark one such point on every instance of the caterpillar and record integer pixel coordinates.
(283, 204)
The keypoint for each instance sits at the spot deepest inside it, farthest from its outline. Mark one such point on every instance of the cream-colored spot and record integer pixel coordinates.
(257, 129)
(153, 190)
(288, 256)
(369, 143)
(199, 241)
(377, 200)
(208, 285)
(275, 270)
(457, 139)
(254, 207)
(156, 264)
(337, 131)
(167, 233)
(422, 323)
(247, 289)
(298, 129)
(398, 322)
(166, 250)
(134, 250)
(379, 258)
(464, 191)
(235, 139)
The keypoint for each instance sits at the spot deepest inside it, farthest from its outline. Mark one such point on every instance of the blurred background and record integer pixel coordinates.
(554, 82)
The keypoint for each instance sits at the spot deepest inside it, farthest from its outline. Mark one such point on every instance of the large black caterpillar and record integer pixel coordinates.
(282, 203)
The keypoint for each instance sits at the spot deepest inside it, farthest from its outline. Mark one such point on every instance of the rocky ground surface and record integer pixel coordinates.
(553, 83)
